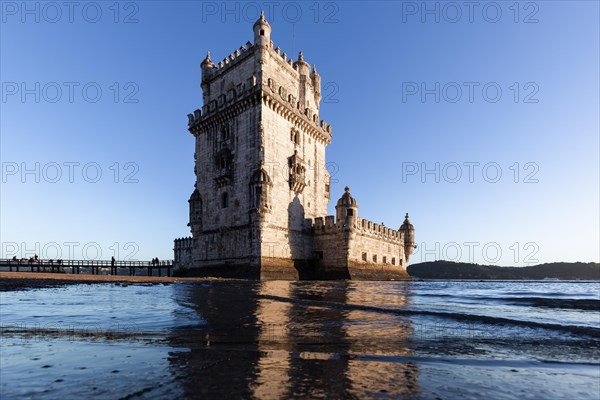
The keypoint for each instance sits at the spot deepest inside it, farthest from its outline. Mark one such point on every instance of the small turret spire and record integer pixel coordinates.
(300, 56)
(406, 225)
(207, 66)
(207, 60)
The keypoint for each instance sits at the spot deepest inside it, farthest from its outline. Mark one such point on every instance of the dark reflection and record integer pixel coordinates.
(281, 339)
(219, 355)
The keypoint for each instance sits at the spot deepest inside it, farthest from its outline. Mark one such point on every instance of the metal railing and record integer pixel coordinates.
(86, 266)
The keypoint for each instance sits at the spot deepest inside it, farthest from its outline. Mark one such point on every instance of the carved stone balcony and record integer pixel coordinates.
(224, 176)
(297, 182)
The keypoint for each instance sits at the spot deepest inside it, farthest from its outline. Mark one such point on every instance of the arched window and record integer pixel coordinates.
(225, 200)
(224, 132)
(259, 189)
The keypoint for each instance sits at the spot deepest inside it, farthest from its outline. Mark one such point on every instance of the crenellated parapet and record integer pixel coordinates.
(361, 226)
(211, 71)
(325, 225)
(276, 97)
(375, 230)
(226, 105)
(185, 243)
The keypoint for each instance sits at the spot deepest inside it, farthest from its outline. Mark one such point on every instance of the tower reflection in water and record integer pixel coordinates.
(279, 339)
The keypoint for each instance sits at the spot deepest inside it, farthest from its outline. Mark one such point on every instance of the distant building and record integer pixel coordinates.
(260, 200)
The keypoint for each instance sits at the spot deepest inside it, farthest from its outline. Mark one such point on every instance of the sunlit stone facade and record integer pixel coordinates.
(259, 207)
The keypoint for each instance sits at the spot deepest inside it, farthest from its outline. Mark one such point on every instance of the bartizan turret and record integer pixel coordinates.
(208, 68)
(195, 205)
(346, 210)
(262, 32)
(409, 237)
(316, 81)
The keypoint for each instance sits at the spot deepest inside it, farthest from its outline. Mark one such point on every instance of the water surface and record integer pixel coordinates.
(280, 339)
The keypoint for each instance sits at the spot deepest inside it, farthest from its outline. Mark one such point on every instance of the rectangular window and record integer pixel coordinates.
(364, 256)
(224, 200)
(375, 258)
(384, 259)
(393, 260)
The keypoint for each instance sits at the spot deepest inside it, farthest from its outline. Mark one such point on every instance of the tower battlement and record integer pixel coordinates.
(359, 226)
(211, 71)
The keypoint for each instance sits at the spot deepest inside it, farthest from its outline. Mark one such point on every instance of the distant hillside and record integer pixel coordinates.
(453, 270)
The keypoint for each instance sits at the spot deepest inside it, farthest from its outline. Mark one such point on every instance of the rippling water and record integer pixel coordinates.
(279, 339)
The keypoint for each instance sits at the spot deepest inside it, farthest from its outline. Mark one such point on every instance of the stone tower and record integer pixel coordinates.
(259, 204)
(259, 160)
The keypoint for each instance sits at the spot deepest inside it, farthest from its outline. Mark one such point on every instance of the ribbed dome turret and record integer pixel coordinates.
(261, 21)
(347, 200)
(406, 225)
(207, 61)
(207, 67)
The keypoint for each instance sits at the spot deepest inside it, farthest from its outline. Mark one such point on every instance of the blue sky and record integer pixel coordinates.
(397, 79)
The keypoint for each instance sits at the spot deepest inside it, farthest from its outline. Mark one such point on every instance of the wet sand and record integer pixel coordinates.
(36, 280)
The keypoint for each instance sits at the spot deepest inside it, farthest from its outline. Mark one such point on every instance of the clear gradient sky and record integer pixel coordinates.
(407, 86)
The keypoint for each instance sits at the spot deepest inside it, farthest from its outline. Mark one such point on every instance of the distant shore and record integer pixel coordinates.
(34, 280)
(449, 270)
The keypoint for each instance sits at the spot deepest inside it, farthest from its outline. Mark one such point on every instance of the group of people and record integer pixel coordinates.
(155, 262)
(35, 259)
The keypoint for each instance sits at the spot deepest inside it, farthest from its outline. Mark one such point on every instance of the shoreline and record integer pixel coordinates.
(35, 280)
